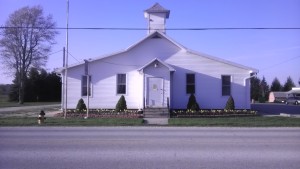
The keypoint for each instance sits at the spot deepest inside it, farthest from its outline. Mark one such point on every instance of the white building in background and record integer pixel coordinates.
(159, 72)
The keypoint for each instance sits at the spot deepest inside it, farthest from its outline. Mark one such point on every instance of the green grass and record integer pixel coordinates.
(201, 122)
(53, 121)
(237, 122)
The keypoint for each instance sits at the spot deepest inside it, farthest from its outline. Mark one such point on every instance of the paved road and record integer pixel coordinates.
(149, 147)
(30, 111)
(275, 108)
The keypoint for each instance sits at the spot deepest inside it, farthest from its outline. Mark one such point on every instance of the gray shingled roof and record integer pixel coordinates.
(157, 8)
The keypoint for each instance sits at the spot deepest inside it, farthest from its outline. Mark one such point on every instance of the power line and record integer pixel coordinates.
(54, 52)
(179, 29)
(74, 57)
(283, 62)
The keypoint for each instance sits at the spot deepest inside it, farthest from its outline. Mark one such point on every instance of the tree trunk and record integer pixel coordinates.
(21, 89)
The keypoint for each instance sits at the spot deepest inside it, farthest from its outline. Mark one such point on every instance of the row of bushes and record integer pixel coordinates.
(194, 110)
(211, 113)
(121, 106)
(193, 105)
(102, 113)
(120, 111)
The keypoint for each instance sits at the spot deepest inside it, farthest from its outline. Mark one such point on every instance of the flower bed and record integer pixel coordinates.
(102, 113)
(211, 113)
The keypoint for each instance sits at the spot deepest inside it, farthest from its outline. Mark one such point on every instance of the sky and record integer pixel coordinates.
(275, 53)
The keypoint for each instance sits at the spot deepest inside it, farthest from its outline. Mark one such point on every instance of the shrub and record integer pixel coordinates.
(261, 100)
(80, 105)
(192, 104)
(121, 105)
(230, 104)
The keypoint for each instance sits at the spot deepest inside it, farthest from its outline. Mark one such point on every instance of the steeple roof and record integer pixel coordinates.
(157, 8)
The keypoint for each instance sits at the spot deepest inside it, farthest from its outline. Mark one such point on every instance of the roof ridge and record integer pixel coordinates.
(157, 8)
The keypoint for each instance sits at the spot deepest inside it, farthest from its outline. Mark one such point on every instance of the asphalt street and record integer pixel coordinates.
(149, 147)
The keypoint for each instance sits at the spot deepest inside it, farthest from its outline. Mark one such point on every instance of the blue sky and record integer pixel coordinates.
(276, 53)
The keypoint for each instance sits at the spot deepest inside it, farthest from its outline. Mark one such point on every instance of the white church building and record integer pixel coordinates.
(157, 72)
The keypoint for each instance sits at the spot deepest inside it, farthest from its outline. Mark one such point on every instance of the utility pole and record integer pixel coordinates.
(63, 83)
(86, 69)
(66, 62)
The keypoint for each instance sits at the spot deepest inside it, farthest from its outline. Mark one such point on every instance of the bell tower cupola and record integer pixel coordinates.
(156, 17)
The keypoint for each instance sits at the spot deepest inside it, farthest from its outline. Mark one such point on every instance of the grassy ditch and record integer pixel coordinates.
(237, 122)
(54, 121)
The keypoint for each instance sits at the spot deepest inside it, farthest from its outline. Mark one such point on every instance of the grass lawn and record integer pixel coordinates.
(237, 122)
(53, 121)
(201, 122)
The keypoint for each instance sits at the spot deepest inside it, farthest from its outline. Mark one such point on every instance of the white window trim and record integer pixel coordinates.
(126, 85)
(91, 85)
(222, 85)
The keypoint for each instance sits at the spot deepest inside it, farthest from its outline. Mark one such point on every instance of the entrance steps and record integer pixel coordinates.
(160, 112)
(156, 121)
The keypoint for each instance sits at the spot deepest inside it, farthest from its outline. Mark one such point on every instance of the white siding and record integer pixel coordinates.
(208, 74)
(103, 73)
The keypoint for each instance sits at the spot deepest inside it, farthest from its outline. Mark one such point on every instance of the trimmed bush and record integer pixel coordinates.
(80, 105)
(230, 104)
(192, 104)
(121, 105)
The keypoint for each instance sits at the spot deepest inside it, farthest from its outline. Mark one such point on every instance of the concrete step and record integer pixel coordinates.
(156, 113)
(156, 121)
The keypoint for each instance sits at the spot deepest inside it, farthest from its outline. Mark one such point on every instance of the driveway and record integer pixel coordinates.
(275, 108)
(30, 111)
(149, 147)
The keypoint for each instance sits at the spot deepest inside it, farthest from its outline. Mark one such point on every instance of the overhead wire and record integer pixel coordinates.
(133, 28)
(282, 62)
(74, 57)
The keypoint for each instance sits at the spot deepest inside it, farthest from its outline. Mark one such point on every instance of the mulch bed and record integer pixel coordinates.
(211, 113)
(102, 114)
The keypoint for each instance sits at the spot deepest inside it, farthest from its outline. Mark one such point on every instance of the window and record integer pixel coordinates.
(190, 83)
(226, 85)
(84, 86)
(121, 83)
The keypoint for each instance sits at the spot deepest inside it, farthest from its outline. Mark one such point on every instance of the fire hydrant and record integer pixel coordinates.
(41, 117)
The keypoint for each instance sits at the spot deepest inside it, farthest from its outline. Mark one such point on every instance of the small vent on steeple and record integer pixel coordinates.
(156, 36)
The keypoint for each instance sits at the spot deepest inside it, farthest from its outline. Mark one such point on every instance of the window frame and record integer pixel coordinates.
(226, 88)
(188, 84)
(122, 83)
(84, 86)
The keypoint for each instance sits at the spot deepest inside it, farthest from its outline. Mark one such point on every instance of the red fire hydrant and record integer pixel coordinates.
(41, 117)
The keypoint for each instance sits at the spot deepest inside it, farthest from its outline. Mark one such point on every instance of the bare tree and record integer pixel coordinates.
(26, 41)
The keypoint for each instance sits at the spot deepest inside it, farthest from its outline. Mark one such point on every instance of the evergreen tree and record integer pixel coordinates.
(192, 103)
(39, 86)
(264, 90)
(230, 104)
(32, 89)
(14, 90)
(276, 86)
(288, 84)
(80, 105)
(255, 83)
(121, 105)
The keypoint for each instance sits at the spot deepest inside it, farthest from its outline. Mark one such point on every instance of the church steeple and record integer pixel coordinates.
(156, 17)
